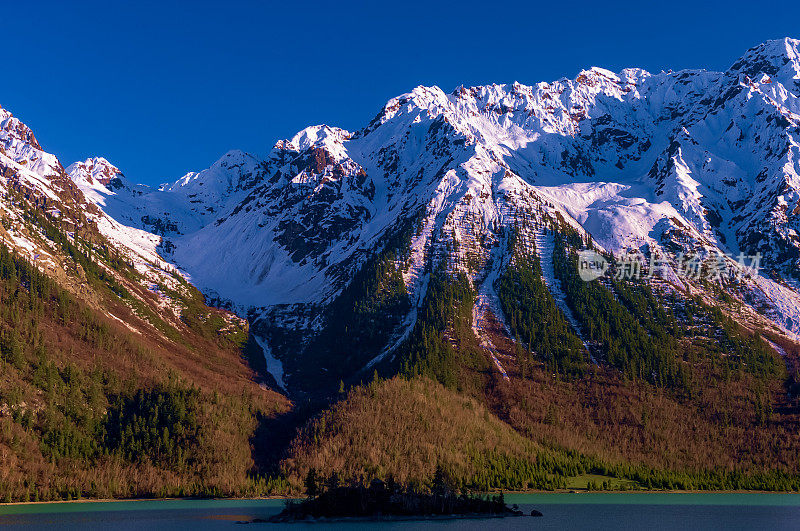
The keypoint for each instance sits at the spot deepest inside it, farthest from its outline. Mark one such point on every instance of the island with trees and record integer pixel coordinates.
(328, 499)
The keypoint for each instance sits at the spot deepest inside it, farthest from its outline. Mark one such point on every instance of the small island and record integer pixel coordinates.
(391, 501)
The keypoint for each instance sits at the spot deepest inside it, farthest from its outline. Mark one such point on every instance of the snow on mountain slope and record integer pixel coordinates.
(669, 162)
(30, 176)
(209, 190)
(25, 163)
(41, 203)
(544, 248)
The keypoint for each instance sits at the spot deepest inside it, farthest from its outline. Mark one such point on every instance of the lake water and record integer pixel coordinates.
(561, 511)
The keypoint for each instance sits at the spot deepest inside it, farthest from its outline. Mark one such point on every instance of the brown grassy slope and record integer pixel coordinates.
(90, 358)
(536, 426)
(405, 428)
(624, 421)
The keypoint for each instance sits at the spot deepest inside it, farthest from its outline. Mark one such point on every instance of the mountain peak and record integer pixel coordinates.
(221, 178)
(17, 130)
(774, 61)
(93, 170)
(596, 71)
(314, 136)
(231, 158)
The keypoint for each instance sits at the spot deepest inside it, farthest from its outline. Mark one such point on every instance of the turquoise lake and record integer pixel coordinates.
(561, 511)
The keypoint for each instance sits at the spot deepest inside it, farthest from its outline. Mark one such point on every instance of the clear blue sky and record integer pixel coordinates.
(162, 90)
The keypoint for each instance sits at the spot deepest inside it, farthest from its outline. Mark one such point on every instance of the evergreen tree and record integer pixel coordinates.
(312, 483)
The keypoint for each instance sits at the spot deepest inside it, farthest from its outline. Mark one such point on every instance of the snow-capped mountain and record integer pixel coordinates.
(73, 201)
(669, 162)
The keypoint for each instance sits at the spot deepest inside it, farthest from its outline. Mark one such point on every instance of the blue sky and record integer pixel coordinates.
(164, 89)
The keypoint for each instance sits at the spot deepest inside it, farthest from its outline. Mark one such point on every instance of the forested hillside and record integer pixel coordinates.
(92, 407)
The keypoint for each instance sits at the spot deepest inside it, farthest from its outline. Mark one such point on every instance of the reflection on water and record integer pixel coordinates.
(561, 511)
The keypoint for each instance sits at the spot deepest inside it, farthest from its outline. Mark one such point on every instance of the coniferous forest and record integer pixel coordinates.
(92, 410)
(535, 319)
(654, 403)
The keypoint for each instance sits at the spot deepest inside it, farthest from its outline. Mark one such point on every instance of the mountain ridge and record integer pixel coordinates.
(262, 311)
(690, 160)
